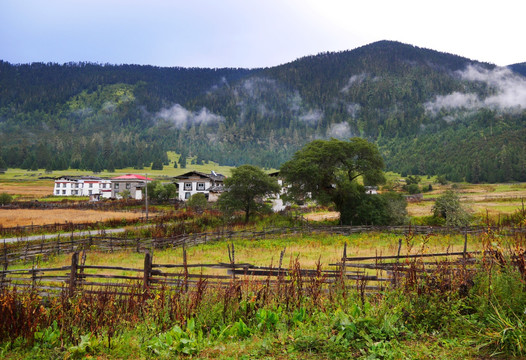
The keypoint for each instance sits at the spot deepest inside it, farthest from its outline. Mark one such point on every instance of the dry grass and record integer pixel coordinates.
(308, 249)
(27, 191)
(22, 217)
(321, 216)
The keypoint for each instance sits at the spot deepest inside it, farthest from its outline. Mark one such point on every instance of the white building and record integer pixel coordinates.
(91, 186)
(195, 182)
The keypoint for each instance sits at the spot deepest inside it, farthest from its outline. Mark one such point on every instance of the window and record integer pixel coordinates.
(57, 192)
(90, 185)
(188, 186)
(116, 186)
(63, 192)
(187, 195)
(128, 185)
(90, 192)
(201, 186)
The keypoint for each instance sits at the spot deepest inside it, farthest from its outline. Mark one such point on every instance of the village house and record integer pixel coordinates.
(92, 186)
(131, 184)
(194, 182)
(371, 190)
(277, 201)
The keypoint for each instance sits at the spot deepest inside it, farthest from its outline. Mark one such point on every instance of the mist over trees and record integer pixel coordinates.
(428, 112)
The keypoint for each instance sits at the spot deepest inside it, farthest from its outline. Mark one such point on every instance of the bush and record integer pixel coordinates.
(449, 208)
(412, 189)
(197, 202)
(5, 198)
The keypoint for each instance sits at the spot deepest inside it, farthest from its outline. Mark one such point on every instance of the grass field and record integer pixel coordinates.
(307, 249)
(22, 217)
(478, 198)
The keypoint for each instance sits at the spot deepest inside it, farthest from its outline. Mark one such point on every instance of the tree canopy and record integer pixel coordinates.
(328, 171)
(246, 189)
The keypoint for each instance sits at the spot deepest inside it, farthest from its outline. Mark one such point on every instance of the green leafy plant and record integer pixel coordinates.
(176, 341)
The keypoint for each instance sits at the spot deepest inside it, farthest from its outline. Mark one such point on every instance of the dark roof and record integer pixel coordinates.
(213, 176)
(76, 178)
(217, 189)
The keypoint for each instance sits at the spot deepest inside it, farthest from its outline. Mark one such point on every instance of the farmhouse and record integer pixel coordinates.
(371, 190)
(195, 182)
(277, 201)
(129, 183)
(91, 186)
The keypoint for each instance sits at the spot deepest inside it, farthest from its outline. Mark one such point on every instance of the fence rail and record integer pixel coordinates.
(27, 251)
(369, 274)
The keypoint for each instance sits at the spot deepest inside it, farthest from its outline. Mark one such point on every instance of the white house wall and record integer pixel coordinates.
(189, 187)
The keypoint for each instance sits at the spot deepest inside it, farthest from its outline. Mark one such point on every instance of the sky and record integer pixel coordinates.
(252, 33)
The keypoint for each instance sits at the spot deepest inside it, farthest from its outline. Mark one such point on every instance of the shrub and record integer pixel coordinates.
(5, 198)
(449, 208)
(197, 202)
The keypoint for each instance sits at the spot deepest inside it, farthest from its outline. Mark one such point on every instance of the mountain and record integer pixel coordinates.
(429, 112)
(519, 68)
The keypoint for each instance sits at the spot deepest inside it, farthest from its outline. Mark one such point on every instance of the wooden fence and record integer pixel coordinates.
(27, 251)
(367, 274)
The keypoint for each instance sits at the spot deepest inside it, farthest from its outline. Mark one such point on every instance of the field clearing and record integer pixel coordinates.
(23, 217)
(28, 190)
(321, 216)
(168, 171)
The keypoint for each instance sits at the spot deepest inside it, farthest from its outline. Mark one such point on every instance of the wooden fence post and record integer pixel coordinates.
(395, 272)
(344, 259)
(147, 270)
(73, 273)
(465, 244)
(232, 258)
(185, 264)
(5, 254)
(4, 267)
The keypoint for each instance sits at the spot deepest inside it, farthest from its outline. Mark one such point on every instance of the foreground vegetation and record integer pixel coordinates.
(466, 314)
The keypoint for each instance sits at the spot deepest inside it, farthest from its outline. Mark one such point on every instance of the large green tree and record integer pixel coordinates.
(246, 189)
(329, 170)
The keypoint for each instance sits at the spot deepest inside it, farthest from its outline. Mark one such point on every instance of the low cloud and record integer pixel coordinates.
(181, 117)
(353, 110)
(312, 116)
(508, 91)
(339, 131)
(355, 79)
(455, 100)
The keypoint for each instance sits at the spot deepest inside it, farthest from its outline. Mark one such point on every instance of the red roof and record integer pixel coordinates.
(131, 177)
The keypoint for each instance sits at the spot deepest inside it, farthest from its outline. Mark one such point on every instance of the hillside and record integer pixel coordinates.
(430, 112)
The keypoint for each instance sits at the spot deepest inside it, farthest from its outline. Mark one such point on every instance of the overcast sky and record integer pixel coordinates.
(252, 33)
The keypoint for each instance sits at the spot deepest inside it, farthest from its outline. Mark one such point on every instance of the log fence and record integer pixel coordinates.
(367, 274)
(28, 251)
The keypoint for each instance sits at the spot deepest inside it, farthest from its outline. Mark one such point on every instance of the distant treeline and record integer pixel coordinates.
(94, 117)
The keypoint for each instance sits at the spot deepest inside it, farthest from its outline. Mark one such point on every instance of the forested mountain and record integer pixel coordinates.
(429, 112)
